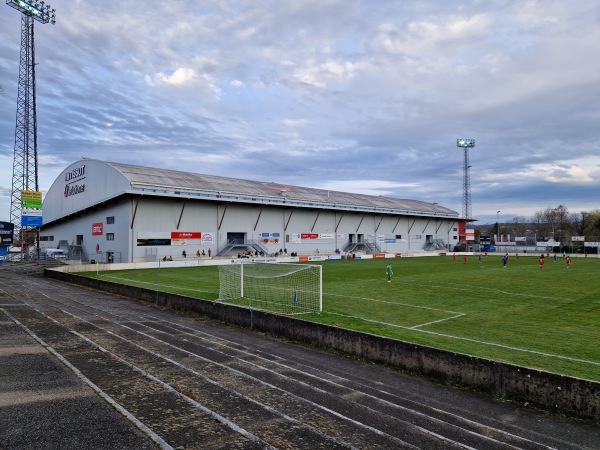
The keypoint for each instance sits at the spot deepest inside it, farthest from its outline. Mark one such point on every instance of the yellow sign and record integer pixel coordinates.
(31, 195)
(31, 199)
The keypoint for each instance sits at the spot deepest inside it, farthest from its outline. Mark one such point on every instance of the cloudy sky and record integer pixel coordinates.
(351, 95)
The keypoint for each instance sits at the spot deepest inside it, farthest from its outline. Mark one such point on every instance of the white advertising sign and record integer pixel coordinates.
(208, 238)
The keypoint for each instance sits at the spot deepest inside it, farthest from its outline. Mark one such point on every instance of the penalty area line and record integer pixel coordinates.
(414, 327)
(476, 341)
(435, 321)
(394, 303)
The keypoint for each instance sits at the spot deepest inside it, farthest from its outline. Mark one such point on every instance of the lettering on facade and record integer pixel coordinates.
(75, 173)
(97, 229)
(74, 189)
(73, 176)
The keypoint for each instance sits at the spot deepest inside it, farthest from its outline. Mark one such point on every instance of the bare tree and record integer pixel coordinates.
(554, 223)
(519, 225)
(564, 229)
(541, 224)
(578, 221)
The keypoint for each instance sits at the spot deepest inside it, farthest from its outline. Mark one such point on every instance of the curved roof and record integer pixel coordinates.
(228, 187)
(89, 182)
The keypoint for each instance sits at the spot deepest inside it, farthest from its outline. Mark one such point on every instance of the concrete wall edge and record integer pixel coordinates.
(562, 394)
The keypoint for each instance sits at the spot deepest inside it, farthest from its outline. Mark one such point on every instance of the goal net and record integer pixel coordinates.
(276, 287)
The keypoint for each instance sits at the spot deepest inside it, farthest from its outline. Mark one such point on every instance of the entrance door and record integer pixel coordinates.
(236, 238)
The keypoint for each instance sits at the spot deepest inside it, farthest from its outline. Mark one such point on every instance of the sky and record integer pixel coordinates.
(348, 95)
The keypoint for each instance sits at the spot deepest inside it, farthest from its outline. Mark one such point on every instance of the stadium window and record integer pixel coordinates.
(46, 238)
(454, 229)
(455, 238)
(110, 236)
(398, 236)
(110, 219)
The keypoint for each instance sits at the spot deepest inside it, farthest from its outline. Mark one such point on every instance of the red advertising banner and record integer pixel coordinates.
(186, 235)
(309, 236)
(97, 229)
(378, 255)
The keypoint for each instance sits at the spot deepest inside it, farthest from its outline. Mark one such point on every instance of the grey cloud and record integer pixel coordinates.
(324, 92)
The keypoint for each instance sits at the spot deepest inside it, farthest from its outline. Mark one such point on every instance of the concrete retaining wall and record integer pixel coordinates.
(553, 392)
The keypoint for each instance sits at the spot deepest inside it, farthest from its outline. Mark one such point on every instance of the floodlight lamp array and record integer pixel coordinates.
(38, 10)
(465, 143)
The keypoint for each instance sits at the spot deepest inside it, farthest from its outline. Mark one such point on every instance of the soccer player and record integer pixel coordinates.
(542, 262)
(568, 260)
(505, 259)
(389, 272)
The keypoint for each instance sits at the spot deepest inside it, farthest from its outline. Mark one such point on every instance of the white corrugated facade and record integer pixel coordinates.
(114, 212)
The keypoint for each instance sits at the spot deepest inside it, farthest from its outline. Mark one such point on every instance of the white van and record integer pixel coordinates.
(54, 253)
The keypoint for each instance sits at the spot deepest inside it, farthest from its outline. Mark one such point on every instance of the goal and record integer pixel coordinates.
(277, 287)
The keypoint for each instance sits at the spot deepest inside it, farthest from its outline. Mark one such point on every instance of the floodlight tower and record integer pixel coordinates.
(25, 162)
(466, 144)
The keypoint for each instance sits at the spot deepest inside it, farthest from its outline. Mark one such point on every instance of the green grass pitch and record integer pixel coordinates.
(542, 318)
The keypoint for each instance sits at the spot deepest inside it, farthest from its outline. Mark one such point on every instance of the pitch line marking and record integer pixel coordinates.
(154, 284)
(396, 304)
(436, 321)
(415, 327)
(493, 344)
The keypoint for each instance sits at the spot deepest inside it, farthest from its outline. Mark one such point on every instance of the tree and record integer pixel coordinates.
(564, 229)
(541, 224)
(590, 225)
(554, 223)
(519, 225)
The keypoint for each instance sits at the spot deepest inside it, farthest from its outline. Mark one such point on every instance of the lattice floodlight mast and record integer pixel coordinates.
(25, 163)
(466, 144)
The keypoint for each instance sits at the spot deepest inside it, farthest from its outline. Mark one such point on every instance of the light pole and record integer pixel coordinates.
(497, 225)
(466, 144)
(436, 222)
(25, 161)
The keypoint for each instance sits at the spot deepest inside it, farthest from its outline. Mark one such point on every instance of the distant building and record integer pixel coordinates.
(114, 212)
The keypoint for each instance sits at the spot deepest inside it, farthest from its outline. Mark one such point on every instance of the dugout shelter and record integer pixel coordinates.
(112, 212)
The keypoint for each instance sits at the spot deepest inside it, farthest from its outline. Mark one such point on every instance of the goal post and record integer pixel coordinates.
(283, 288)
